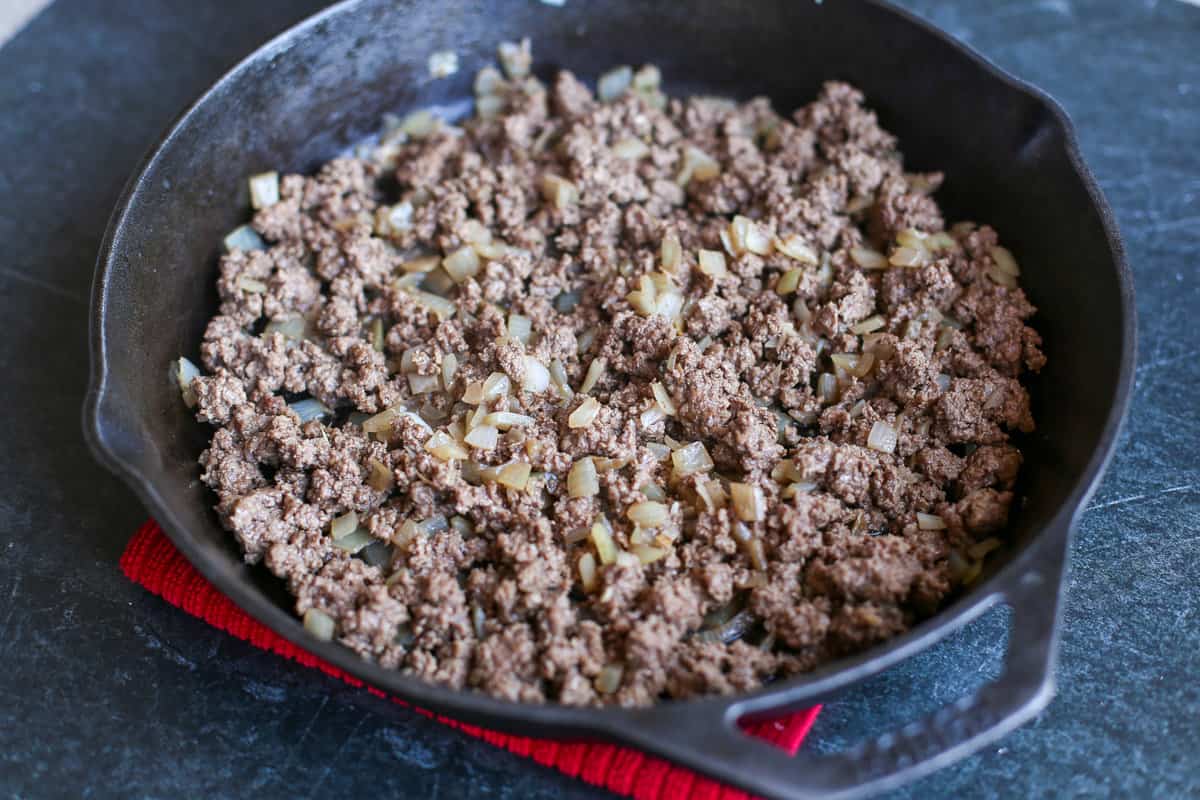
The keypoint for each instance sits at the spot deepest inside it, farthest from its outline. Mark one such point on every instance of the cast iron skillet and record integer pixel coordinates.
(1011, 160)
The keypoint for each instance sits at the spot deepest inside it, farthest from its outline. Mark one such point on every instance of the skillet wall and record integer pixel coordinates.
(311, 96)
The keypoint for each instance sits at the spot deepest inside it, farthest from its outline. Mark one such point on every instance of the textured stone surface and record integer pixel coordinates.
(106, 691)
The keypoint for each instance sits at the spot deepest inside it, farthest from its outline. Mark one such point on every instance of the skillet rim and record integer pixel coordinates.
(553, 719)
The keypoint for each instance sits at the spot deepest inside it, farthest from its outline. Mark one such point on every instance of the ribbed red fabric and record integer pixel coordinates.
(152, 561)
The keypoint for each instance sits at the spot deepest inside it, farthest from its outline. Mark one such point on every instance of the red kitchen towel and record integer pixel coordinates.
(152, 561)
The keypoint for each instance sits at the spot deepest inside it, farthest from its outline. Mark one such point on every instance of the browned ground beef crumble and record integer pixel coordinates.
(483, 587)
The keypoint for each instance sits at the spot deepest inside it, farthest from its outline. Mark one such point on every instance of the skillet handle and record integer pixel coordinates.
(717, 746)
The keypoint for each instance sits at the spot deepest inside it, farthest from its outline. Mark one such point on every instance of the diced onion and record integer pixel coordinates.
(419, 124)
(496, 385)
(601, 536)
(184, 372)
(671, 254)
(868, 325)
(712, 263)
(449, 369)
(653, 491)
(794, 247)
(1004, 260)
(799, 487)
(614, 83)
(558, 378)
(244, 237)
(658, 450)
(755, 553)
(748, 502)
(930, 522)
(377, 336)
(520, 328)
(648, 514)
(489, 105)
(440, 306)
(882, 437)
(583, 416)
(291, 327)
(421, 265)
(786, 471)
(264, 189)
(343, 525)
(608, 464)
(789, 281)
(507, 419)
(559, 191)
(473, 231)
(857, 364)
(319, 624)
(867, 258)
(609, 679)
(630, 149)
(423, 384)
(582, 480)
(1000, 277)
(945, 339)
(407, 533)
(712, 494)
(490, 250)
(647, 78)
(744, 235)
(941, 241)
(587, 572)
(652, 415)
(647, 554)
(663, 398)
(669, 304)
(379, 477)
(354, 541)
(463, 263)
(515, 57)
(690, 459)
(698, 165)
(595, 372)
(483, 437)
(390, 220)
(908, 257)
(443, 446)
(473, 393)
(911, 237)
(537, 376)
(514, 475)
(827, 387)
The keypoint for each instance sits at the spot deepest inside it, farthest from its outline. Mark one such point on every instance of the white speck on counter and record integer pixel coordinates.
(443, 63)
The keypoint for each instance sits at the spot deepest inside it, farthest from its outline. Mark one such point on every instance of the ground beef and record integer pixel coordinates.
(408, 350)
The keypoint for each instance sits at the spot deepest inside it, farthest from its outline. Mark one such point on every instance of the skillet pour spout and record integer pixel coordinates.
(1010, 158)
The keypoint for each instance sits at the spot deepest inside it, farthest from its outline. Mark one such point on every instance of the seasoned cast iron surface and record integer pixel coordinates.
(117, 691)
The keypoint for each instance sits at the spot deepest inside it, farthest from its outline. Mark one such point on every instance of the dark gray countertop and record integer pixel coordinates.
(106, 691)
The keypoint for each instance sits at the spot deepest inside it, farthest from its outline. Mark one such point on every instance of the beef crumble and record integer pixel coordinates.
(610, 399)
